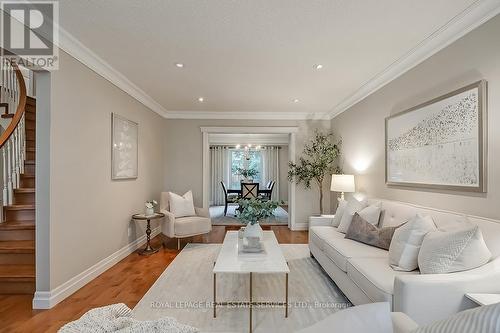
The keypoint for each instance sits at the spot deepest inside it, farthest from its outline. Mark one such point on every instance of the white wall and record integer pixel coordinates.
(90, 214)
(283, 165)
(475, 56)
(183, 158)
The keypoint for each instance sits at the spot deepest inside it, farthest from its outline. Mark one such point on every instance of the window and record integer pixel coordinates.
(238, 160)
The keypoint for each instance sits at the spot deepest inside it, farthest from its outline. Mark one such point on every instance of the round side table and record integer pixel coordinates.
(141, 217)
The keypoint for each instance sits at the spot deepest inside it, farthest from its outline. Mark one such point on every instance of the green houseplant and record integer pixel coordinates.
(251, 211)
(317, 162)
(246, 173)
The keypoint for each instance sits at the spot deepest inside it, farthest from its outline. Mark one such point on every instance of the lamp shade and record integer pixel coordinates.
(342, 183)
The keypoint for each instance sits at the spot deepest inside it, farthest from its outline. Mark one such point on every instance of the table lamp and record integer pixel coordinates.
(342, 183)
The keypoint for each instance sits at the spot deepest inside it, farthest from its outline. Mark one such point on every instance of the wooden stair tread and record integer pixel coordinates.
(17, 246)
(30, 149)
(29, 162)
(24, 190)
(24, 175)
(18, 225)
(7, 115)
(17, 271)
(20, 207)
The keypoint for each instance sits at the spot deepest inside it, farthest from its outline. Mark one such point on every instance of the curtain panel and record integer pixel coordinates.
(271, 169)
(220, 171)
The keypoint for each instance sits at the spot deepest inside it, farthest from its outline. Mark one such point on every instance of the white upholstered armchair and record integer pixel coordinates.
(182, 227)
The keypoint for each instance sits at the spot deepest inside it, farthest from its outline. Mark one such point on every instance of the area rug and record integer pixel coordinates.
(184, 292)
(217, 215)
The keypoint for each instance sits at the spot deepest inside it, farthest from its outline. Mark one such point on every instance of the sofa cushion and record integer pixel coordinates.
(340, 249)
(191, 225)
(454, 251)
(374, 276)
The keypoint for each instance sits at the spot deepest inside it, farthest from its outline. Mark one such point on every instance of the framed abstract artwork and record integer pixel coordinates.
(124, 148)
(440, 144)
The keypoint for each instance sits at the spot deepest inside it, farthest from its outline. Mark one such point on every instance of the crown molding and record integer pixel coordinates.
(83, 54)
(472, 17)
(258, 115)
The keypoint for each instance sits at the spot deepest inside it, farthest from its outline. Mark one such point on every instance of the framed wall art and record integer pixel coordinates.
(124, 148)
(440, 144)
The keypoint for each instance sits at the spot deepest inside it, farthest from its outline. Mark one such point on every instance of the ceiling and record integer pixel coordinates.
(257, 56)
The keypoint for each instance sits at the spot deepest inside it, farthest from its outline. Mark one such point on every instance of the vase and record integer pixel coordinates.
(149, 211)
(253, 231)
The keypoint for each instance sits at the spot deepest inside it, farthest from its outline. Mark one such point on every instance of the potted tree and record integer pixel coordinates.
(317, 162)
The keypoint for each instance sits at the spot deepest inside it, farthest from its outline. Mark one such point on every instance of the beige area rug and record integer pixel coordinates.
(184, 291)
(217, 215)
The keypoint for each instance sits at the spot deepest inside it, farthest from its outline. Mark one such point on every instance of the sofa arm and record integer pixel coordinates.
(167, 224)
(321, 221)
(430, 297)
(202, 212)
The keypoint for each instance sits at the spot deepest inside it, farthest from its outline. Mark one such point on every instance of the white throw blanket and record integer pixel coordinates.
(117, 318)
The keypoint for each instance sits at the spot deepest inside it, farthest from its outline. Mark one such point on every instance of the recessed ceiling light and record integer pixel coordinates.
(179, 65)
(201, 99)
(318, 66)
(296, 100)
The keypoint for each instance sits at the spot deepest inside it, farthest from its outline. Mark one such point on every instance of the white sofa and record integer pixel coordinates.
(363, 273)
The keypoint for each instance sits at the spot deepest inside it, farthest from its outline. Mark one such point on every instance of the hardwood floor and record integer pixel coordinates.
(126, 282)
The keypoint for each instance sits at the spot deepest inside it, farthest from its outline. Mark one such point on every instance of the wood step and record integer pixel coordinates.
(7, 115)
(30, 144)
(30, 134)
(17, 279)
(27, 181)
(30, 116)
(30, 101)
(17, 230)
(30, 124)
(30, 153)
(24, 196)
(19, 212)
(17, 247)
(29, 167)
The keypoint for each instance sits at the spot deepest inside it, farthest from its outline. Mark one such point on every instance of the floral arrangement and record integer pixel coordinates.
(251, 211)
(247, 173)
(151, 204)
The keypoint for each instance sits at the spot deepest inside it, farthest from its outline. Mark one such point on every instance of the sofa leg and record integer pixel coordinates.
(178, 243)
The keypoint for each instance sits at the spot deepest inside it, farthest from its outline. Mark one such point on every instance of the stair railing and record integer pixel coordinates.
(13, 138)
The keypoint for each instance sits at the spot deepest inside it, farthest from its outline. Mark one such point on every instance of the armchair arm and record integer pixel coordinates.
(202, 212)
(321, 221)
(430, 297)
(167, 224)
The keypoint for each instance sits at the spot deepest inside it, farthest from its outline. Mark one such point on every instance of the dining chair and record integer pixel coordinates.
(249, 190)
(228, 197)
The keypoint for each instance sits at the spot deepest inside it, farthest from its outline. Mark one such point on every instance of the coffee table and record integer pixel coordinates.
(270, 261)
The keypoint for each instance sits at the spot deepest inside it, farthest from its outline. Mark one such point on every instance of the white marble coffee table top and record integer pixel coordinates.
(483, 299)
(270, 261)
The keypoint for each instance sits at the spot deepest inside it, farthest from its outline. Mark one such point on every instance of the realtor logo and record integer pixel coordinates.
(29, 33)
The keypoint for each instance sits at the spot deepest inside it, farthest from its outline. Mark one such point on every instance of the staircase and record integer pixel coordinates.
(17, 166)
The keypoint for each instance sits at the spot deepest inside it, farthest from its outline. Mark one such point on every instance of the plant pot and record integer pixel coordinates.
(253, 231)
(149, 211)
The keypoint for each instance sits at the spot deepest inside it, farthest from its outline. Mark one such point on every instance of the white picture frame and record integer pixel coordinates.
(440, 144)
(124, 148)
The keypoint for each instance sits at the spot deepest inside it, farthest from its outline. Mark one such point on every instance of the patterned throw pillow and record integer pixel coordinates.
(453, 251)
(483, 319)
(364, 232)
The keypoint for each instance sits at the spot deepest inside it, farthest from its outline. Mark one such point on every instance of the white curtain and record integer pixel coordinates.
(220, 171)
(271, 169)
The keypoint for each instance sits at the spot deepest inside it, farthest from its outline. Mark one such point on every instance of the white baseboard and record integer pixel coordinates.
(48, 299)
(300, 226)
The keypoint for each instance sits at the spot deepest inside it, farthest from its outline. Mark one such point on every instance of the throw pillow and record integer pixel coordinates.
(453, 251)
(362, 231)
(483, 319)
(181, 206)
(405, 245)
(339, 213)
(353, 206)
